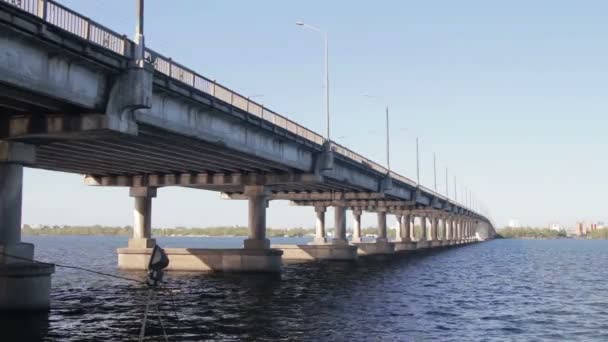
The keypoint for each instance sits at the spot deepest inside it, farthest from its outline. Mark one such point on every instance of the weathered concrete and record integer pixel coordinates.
(142, 214)
(422, 244)
(404, 233)
(300, 253)
(24, 285)
(374, 248)
(205, 260)
(320, 235)
(257, 218)
(356, 225)
(340, 226)
(405, 246)
(382, 237)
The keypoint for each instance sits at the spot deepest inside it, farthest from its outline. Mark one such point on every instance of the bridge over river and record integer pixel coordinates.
(77, 97)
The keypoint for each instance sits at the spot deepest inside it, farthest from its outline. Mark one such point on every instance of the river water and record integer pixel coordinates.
(518, 290)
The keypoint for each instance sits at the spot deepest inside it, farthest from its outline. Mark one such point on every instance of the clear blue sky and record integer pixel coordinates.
(511, 95)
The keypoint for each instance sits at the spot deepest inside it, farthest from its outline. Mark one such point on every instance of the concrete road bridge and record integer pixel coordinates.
(77, 97)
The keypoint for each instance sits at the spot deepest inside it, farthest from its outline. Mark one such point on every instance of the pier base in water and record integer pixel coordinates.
(375, 248)
(206, 260)
(299, 253)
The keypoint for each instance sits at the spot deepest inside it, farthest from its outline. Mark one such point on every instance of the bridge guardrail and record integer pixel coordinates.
(66, 19)
(79, 25)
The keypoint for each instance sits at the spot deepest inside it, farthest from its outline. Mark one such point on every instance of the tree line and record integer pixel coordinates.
(530, 233)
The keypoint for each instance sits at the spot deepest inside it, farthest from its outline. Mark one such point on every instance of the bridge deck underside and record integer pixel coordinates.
(157, 152)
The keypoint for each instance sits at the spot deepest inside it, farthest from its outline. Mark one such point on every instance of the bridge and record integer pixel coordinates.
(77, 97)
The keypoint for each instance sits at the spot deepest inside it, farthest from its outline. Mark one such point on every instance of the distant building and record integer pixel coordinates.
(580, 230)
(513, 223)
(555, 226)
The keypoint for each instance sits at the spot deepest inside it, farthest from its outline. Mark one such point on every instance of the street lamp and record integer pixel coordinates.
(139, 35)
(388, 141)
(435, 171)
(299, 23)
(417, 162)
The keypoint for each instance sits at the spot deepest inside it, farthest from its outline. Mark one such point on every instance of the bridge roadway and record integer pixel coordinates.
(73, 98)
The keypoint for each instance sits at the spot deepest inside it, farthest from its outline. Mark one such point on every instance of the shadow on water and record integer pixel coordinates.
(21, 326)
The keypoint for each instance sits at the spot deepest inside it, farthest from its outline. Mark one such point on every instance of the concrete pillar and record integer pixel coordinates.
(433, 228)
(406, 226)
(340, 226)
(320, 237)
(142, 214)
(357, 225)
(424, 234)
(381, 227)
(444, 229)
(23, 285)
(403, 235)
(459, 229)
(399, 217)
(258, 201)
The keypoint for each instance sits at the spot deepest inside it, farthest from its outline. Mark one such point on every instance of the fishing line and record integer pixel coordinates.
(172, 303)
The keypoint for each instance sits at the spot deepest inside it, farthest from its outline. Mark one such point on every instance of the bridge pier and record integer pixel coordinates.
(320, 237)
(256, 256)
(339, 226)
(357, 226)
(434, 232)
(423, 238)
(142, 212)
(381, 245)
(403, 240)
(24, 285)
(445, 221)
(320, 249)
(258, 202)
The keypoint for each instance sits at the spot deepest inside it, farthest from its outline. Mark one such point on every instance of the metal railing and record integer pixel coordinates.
(81, 26)
(189, 77)
(68, 20)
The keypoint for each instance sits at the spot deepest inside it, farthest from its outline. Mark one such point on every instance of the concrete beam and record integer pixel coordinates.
(18, 153)
(54, 126)
(314, 196)
(368, 205)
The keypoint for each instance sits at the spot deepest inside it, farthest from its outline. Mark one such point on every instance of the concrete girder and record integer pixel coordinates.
(315, 196)
(367, 205)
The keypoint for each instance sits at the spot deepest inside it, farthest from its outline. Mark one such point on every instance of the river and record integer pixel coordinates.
(520, 290)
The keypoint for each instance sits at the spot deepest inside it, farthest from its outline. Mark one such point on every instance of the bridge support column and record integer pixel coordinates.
(404, 242)
(340, 226)
(404, 233)
(142, 214)
(337, 249)
(434, 232)
(258, 201)
(357, 226)
(320, 237)
(423, 239)
(381, 245)
(381, 227)
(445, 241)
(459, 232)
(24, 285)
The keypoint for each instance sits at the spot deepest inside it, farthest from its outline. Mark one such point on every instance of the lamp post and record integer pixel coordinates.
(139, 35)
(388, 137)
(435, 172)
(299, 23)
(388, 144)
(417, 162)
(455, 191)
